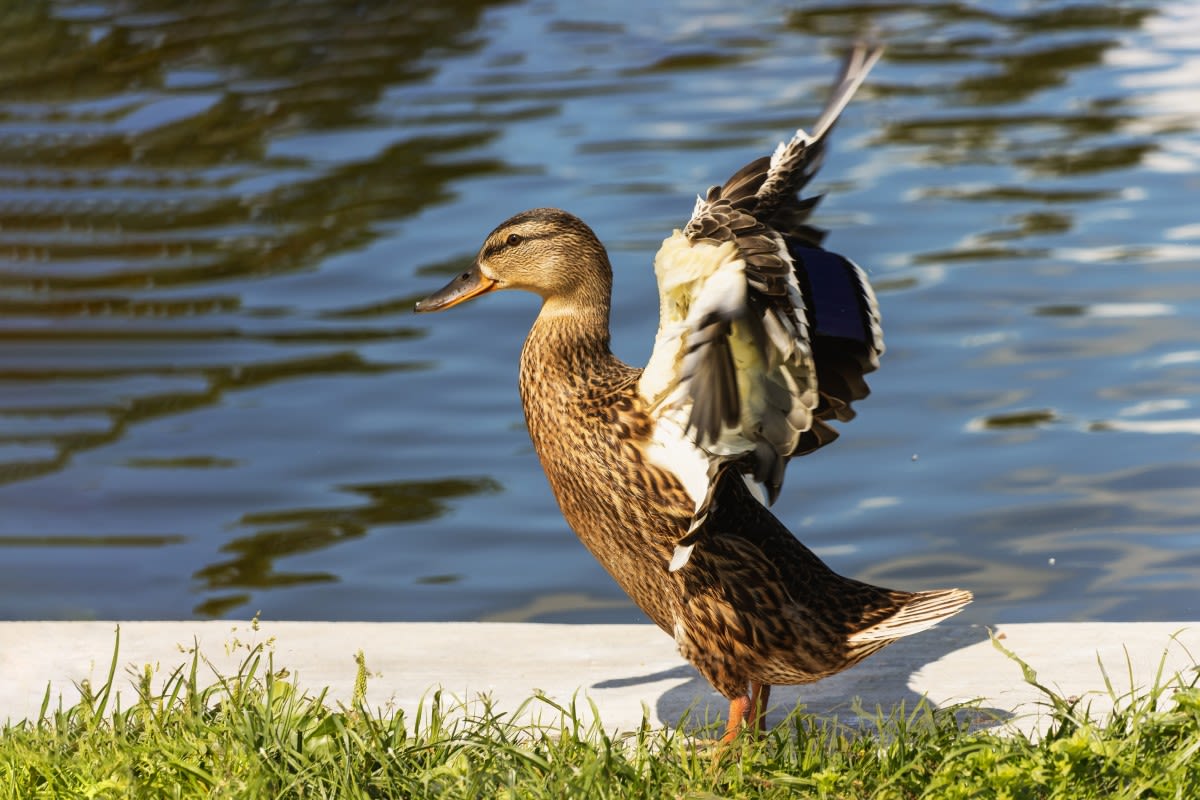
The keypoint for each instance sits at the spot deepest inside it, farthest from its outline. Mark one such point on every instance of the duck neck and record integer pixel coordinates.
(567, 342)
(567, 370)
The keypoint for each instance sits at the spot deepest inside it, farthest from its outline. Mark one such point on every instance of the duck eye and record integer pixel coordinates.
(513, 239)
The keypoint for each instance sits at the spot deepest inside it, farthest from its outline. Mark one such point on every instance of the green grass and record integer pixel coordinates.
(255, 735)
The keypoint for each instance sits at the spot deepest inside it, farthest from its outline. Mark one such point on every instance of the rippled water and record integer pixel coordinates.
(214, 218)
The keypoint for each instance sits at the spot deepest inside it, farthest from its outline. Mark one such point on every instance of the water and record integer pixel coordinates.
(214, 219)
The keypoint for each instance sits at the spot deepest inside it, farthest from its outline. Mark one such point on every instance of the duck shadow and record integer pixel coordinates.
(855, 697)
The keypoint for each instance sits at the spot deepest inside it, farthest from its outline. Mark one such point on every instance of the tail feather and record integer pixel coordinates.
(922, 611)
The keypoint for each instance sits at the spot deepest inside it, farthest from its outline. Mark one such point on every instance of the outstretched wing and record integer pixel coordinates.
(763, 335)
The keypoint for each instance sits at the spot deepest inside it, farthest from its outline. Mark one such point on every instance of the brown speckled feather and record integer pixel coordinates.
(748, 604)
(754, 603)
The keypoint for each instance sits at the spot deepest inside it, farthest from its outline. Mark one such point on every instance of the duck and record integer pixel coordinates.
(667, 473)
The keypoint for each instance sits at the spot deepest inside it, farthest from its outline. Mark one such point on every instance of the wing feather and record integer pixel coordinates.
(763, 335)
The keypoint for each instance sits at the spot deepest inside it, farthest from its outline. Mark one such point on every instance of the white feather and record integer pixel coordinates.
(920, 613)
(696, 279)
(756, 489)
(674, 451)
(724, 290)
(683, 269)
(777, 155)
(784, 342)
(680, 557)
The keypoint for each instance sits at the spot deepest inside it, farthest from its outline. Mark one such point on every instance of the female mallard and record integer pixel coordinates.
(665, 473)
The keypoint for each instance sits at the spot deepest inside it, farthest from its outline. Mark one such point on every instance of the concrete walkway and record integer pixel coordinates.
(623, 668)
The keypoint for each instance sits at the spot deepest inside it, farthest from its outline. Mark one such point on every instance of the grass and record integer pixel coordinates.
(255, 735)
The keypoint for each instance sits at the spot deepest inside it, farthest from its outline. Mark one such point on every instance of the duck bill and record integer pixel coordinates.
(471, 283)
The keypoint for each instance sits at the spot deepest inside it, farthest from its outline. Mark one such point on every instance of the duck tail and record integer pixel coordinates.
(922, 610)
(795, 162)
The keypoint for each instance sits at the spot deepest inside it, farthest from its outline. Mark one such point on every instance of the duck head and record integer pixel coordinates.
(545, 251)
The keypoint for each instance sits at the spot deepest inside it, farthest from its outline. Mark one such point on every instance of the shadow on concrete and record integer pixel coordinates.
(683, 671)
(880, 682)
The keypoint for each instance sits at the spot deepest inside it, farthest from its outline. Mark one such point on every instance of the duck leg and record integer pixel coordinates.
(748, 709)
(739, 711)
(760, 694)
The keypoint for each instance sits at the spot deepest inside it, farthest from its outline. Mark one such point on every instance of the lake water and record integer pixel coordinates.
(215, 218)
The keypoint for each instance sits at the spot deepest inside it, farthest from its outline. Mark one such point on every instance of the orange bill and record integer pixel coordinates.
(471, 283)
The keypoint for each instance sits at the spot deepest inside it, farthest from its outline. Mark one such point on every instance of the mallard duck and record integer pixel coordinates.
(666, 473)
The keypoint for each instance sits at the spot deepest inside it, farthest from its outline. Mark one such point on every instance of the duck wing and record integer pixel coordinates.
(763, 335)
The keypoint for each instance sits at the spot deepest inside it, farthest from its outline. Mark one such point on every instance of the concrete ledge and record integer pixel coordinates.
(623, 668)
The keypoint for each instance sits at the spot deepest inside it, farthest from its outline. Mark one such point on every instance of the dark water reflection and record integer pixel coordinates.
(294, 531)
(214, 219)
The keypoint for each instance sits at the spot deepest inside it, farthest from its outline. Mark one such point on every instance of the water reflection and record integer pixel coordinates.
(293, 531)
(214, 221)
(161, 168)
(67, 440)
(1016, 419)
